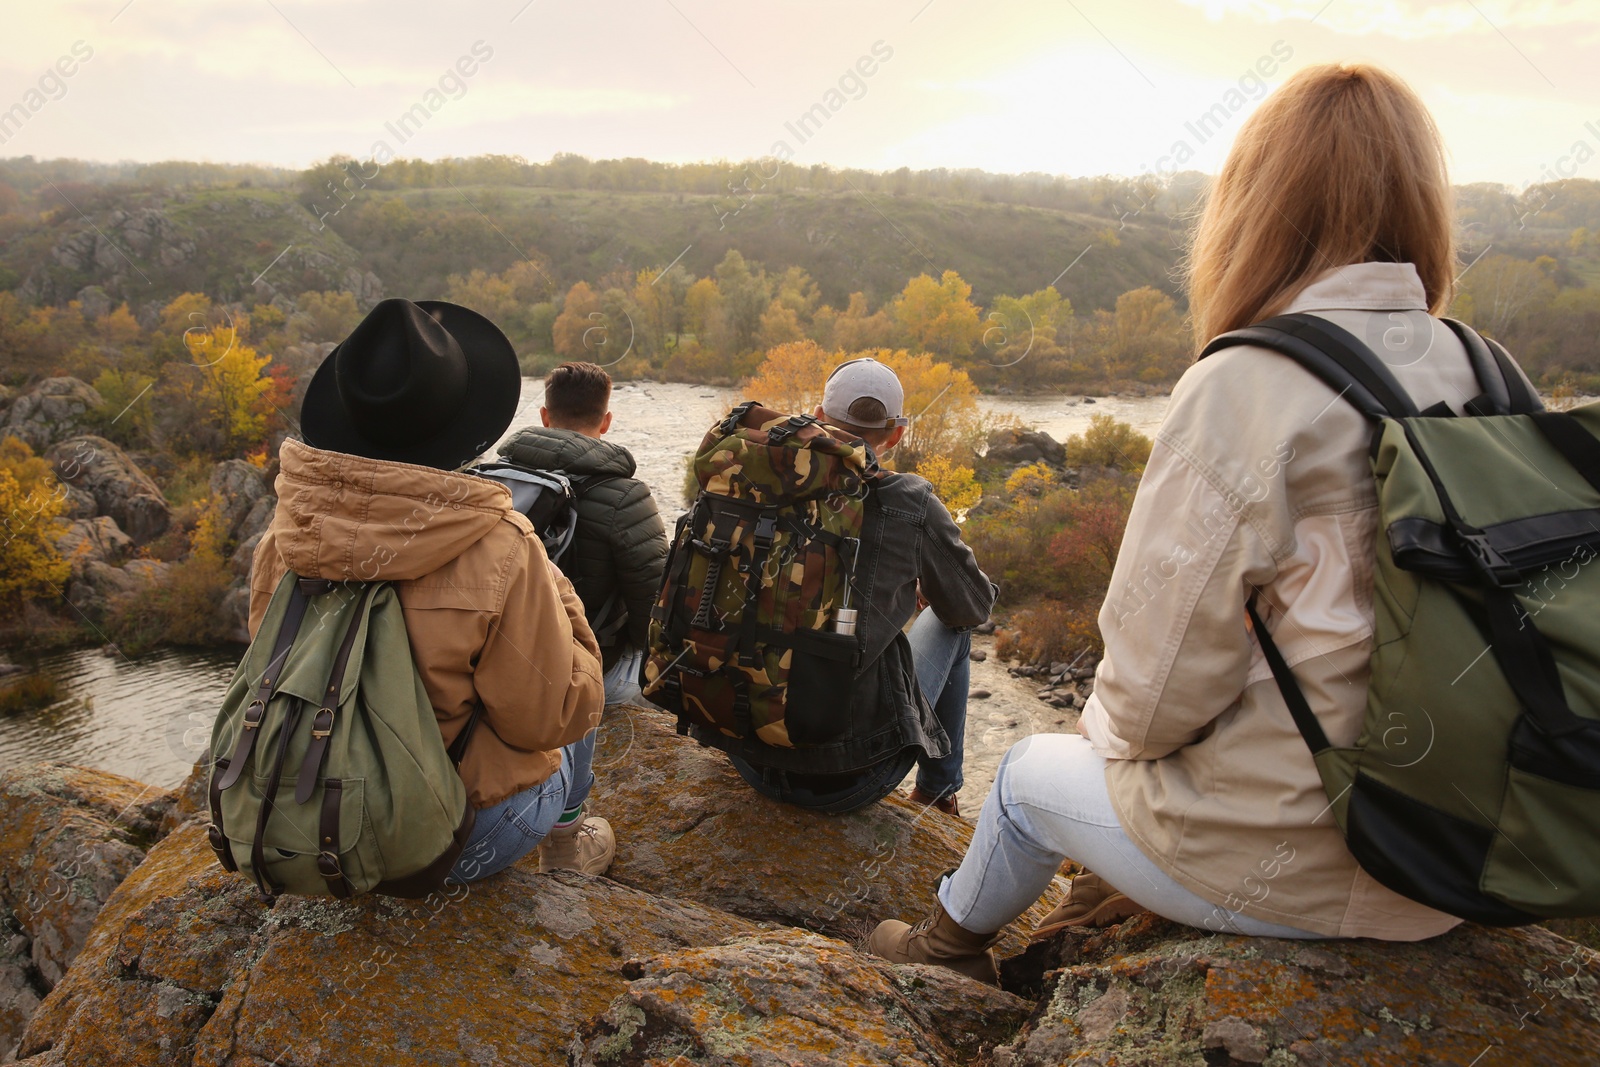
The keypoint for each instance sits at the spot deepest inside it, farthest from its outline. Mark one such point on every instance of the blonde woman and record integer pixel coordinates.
(1189, 790)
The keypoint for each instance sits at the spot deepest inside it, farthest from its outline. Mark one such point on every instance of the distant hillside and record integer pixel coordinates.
(148, 246)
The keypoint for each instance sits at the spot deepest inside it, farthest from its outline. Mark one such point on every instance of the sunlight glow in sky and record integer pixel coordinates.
(1086, 87)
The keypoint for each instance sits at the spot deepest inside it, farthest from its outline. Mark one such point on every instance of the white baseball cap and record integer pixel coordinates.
(860, 379)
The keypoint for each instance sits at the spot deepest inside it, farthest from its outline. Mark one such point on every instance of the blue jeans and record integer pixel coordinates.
(1049, 802)
(622, 680)
(940, 657)
(509, 830)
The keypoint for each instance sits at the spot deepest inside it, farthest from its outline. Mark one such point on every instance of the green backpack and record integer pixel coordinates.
(753, 634)
(1474, 787)
(337, 781)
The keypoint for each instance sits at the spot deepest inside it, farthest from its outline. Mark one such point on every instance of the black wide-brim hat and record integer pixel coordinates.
(423, 382)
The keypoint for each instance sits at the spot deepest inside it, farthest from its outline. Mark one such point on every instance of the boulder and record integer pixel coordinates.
(96, 588)
(237, 487)
(52, 411)
(795, 997)
(1026, 446)
(120, 489)
(68, 837)
(20, 988)
(188, 964)
(96, 540)
(689, 827)
(1150, 991)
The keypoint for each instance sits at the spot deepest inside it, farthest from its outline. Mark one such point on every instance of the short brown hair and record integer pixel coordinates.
(577, 393)
(872, 415)
(1342, 165)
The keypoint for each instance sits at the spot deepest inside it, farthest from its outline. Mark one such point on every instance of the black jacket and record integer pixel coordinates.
(908, 536)
(620, 546)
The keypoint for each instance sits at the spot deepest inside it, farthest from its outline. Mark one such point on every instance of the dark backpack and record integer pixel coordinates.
(1474, 787)
(746, 635)
(547, 498)
(331, 777)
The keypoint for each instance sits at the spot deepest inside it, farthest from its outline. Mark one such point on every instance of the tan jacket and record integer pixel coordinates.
(489, 617)
(1259, 480)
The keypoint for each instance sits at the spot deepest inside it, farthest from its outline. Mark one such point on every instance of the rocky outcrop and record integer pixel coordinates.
(689, 827)
(97, 540)
(186, 964)
(1150, 991)
(52, 411)
(189, 965)
(68, 837)
(794, 997)
(1026, 446)
(120, 489)
(98, 588)
(236, 487)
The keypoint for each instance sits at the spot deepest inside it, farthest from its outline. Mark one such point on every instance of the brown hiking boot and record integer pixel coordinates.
(585, 844)
(937, 940)
(946, 803)
(1090, 901)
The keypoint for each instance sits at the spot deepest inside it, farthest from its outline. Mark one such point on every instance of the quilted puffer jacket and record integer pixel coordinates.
(620, 548)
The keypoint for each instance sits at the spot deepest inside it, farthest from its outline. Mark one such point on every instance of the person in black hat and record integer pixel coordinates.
(417, 391)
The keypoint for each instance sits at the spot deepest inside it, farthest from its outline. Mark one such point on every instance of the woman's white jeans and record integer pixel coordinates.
(1050, 802)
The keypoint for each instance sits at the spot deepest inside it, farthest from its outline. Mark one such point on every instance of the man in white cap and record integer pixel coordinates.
(911, 557)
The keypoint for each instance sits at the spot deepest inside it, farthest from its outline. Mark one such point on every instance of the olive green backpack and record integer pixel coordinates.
(1475, 784)
(331, 776)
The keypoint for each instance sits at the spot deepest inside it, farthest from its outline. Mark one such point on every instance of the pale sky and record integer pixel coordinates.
(1074, 87)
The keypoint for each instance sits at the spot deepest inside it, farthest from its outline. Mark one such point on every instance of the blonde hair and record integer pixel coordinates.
(1343, 164)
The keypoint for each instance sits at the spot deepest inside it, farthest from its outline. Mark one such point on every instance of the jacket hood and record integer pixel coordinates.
(348, 518)
(568, 451)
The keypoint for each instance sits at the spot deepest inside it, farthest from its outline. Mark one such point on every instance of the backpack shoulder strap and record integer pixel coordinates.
(1305, 720)
(1334, 355)
(1504, 388)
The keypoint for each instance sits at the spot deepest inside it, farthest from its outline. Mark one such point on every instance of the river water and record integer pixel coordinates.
(149, 717)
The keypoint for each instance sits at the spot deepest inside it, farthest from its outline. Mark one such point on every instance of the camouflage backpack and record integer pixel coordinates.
(753, 633)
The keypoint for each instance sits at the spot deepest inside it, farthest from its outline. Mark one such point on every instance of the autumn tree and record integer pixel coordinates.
(323, 316)
(854, 329)
(1499, 289)
(579, 314)
(30, 508)
(232, 385)
(939, 316)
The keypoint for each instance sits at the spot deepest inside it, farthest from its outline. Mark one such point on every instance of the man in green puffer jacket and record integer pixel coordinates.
(620, 548)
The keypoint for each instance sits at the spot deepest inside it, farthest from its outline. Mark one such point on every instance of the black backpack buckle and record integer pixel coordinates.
(1498, 569)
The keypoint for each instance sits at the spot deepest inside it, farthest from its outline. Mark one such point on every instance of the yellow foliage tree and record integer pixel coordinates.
(939, 316)
(1034, 480)
(232, 384)
(953, 484)
(1108, 443)
(30, 507)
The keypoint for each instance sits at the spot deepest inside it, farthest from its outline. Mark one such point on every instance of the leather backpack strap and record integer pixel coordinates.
(322, 723)
(288, 629)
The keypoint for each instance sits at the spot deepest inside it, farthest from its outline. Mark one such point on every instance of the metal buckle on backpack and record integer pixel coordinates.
(254, 713)
(328, 865)
(321, 727)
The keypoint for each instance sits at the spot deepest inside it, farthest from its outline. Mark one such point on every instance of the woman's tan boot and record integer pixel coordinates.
(938, 940)
(1090, 901)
